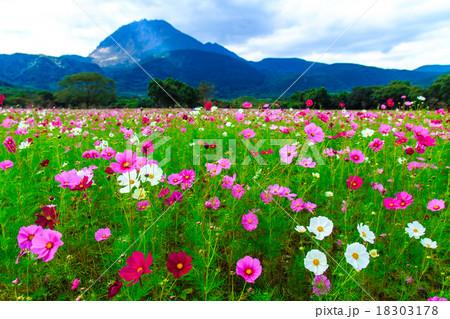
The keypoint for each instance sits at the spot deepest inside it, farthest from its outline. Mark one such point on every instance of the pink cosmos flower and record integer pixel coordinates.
(275, 190)
(142, 205)
(297, 205)
(391, 203)
(287, 153)
(6, 164)
(75, 284)
(356, 156)
(404, 199)
(10, 144)
(247, 105)
(250, 221)
(102, 234)
(187, 176)
(249, 268)
(385, 129)
(420, 131)
(307, 162)
(287, 193)
(239, 116)
(164, 192)
(237, 191)
(376, 145)
(354, 182)
(436, 298)
(213, 169)
(147, 147)
(136, 266)
(436, 205)
(309, 206)
(266, 197)
(309, 103)
(126, 162)
(225, 163)
(248, 133)
(108, 153)
(26, 235)
(174, 179)
(227, 181)
(315, 133)
(46, 243)
(213, 203)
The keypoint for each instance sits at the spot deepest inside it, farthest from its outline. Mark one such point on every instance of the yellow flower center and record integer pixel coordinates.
(415, 230)
(316, 262)
(139, 269)
(312, 134)
(355, 256)
(103, 236)
(186, 177)
(131, 182)
(48, 218)
(355, 157)
(30, 237)
(249, 271)
(436, 207)
(49, 245)
(363, 234)
(179, 266)
(249, 221)
(126, 164)
(320, 228)
(151, 176)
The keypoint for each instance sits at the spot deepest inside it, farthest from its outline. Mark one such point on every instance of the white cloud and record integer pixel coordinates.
(395, 34)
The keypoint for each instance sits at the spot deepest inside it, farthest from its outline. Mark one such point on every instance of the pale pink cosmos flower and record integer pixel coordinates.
(385, 129)
(266, 197)
(315, 133)
(287, 153)
(102, 234)
(46, 243)
(248, 133)
(436, 205)
(356, 156)
(307, 162)
(174, 179)
(275, 190)
(237, 191)
(68, 179)
(26, 235)
(224, 163)
(287, 193)
(250, 221)
(309, 206)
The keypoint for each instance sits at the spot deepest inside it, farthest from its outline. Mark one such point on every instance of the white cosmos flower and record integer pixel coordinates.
(401, 160)
(316, 261)
(329, 194)
(129, 180)
(300, 229)
(415, 229)
(224, 133)
(111, 134)
(25, 144)
(151, 173)
(316, 175)
(365, 233)
(428, 243)
(357, 256)
(373, 253)
(139, 193)
(320, 226)
(367, 132)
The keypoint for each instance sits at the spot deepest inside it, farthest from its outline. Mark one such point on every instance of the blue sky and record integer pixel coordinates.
(392, 34)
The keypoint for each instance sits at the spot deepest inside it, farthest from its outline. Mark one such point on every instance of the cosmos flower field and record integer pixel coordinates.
(224, 204)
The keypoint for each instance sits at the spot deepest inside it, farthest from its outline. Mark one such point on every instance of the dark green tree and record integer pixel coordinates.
(86, 89)
(440, 90)
(206, 92)
(170, 92)
(395, 90)
(361, 98)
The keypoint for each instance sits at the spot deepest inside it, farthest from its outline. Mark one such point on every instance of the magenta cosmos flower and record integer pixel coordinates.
(147, 147)
(75, 284)
(356, 156)
(136, 266)
(354, 182)
(187, 176)
(108, 153)
(26, 235)
(6, 164)
(287, 153)
(102, 234)
(249, 268)
(126, 162)
(237, 191)
(315, 133)
(213, 203)
(436, 205)
(436, 298)
(142, 205)
(179, 264)
(250, 221)
(46, 243)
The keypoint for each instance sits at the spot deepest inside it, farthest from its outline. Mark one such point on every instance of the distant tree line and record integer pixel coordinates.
(86, 90)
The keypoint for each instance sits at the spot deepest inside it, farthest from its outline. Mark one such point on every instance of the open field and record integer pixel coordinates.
(245, 204)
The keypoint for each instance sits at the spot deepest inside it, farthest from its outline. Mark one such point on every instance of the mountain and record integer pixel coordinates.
(143, 38)
(163, 51)
(40, 71)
